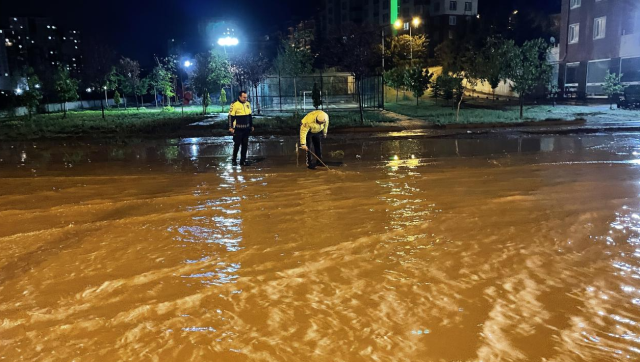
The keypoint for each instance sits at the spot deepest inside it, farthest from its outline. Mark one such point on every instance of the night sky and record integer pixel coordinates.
(140, 28)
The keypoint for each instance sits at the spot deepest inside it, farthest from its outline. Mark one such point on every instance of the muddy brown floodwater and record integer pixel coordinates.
(504, 248)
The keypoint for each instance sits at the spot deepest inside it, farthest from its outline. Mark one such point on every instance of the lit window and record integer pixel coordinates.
(15, 19)
(76, 47)
(21, 27)
(600, 28)
(574, 33)
(53, 27)
(33, 42)
(453, 20)
(49, 38)
(405, 26)
(51, 52)
(48, 27)
(75, 41)
(64, 38)
(0, 31)
(576, 3)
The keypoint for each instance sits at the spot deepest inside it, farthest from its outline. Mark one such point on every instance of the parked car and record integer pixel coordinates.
(631, 98)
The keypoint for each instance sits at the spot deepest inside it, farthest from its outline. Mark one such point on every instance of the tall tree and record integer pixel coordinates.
(223, 98)
(98, 70)
(66, 88)
(211, 72)
(252, 70)
(402, 48)
(491, 62)
(356, 50)
(612, 86)
(293, 61)
(417, 81)
(395, 78)
(129, 74)
(116, 99)
(29, 91)
(142, 89)
(527, 67)
(163, 78)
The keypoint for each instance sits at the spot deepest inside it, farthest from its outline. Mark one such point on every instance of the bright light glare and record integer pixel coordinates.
(228, 41)
(416, 21)
(397, 24)
(187, 64)
(18, 91)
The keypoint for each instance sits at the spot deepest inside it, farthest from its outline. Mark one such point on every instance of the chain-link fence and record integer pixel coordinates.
(338, 91)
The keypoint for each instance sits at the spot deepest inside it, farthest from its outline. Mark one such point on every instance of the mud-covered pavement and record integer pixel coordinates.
(480, 248)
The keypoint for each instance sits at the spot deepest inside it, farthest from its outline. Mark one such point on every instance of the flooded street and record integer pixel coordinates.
(416, 249)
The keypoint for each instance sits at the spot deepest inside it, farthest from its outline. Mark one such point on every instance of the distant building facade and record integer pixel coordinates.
(40, 44)
(596, 36)
(449, 18)
(439, 19)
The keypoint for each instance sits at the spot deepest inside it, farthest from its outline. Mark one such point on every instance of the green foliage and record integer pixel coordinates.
(65, 86)
(168, 109)
(398, 53)
(526, 66)
(31, 95)
(211, 71)
(395, 79)
(162, 77)
(223, 98)
(292, 60)
(116, 99)
(417, 81)
(449, 85)
(492, 63)
(129, 76)
(206, 101)
(436, 89)
(612, 85)
(317, 97)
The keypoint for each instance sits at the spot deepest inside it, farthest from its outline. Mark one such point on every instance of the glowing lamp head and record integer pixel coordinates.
(187, 64)
(228, 41)
(416, 21)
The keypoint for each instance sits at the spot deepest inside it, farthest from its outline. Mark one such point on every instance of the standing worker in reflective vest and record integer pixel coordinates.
(314, 127)
(240, 126)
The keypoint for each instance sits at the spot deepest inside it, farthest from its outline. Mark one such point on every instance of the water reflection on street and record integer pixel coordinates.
(415, 249)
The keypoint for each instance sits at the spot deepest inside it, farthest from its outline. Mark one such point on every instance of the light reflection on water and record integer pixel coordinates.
(421, 250)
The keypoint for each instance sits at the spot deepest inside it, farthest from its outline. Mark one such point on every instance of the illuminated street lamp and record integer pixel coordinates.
(187, 64)
(228, 41)
(397, 24)
(416, 23)
(18, 91)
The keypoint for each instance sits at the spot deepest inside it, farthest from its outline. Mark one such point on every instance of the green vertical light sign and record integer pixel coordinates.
(394, 10)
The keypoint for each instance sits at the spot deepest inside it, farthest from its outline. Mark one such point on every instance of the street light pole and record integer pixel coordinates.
(411, 44)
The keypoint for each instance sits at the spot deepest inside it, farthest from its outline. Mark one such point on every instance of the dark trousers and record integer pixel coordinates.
(314, 143)
(241, 138)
